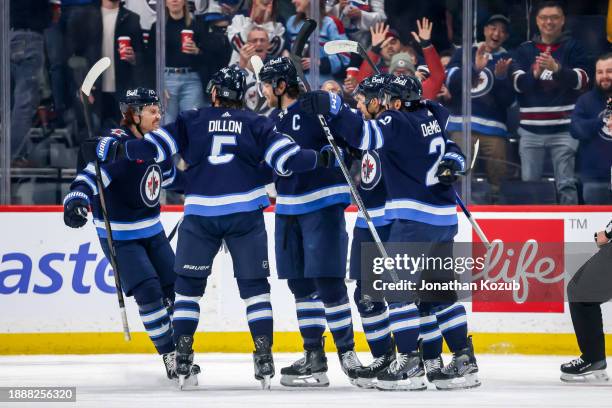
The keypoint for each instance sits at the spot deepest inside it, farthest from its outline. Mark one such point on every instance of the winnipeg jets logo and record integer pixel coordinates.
(483, 84)
(604, 132)
(150, 186)
(118, 132)
(371, 171)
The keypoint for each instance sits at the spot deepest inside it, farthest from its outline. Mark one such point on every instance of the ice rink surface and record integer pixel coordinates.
(226, 380)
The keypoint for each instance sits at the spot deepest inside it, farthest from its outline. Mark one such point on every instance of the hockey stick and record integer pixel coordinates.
(464, 208)
(298, 46)
(350, 47)
(94, 73)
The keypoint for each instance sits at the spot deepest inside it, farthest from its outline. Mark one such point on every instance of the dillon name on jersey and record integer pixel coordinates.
(226, 151)
(410, 145)
(320, 188)
(132, 190)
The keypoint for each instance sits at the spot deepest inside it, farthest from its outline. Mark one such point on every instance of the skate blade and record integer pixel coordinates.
(409, 384)
(305, 381)
(459, 383)
(185, 382)
(594, 377)
(266, 382)
(366, 383)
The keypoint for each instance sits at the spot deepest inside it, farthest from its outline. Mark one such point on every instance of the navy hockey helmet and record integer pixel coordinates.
(279, 69)
(406, 88)
(230, 83)
(373, 86)
(137, 99)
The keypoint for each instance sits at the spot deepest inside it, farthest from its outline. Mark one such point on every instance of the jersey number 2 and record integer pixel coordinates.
(216, 157)
(436, 146)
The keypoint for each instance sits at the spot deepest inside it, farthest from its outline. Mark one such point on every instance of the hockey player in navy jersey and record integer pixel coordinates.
(132, 189)
(225, 195)
(374, 314)
(421, 205)
(310, 237)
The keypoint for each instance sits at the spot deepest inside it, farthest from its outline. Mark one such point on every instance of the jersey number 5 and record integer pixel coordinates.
(436, 146)
(216, 157)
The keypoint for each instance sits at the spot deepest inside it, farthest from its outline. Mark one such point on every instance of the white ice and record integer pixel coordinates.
(226, 380)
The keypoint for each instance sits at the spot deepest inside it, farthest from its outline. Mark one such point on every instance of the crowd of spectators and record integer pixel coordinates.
(539, 84)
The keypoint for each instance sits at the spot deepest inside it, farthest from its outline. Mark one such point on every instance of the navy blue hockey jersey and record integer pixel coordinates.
(132, 190)
(410, 144)
(225, 149)
(308, 192)
(491, 96)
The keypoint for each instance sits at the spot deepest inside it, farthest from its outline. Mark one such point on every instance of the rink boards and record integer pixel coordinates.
(57, 292)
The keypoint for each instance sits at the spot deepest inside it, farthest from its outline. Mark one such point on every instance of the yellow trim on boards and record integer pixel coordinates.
(240, 342)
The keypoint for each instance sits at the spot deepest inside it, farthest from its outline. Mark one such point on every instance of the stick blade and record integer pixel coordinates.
(257, 64)
(307, 28)
(475, 153)
(341, 46)
(94, 73)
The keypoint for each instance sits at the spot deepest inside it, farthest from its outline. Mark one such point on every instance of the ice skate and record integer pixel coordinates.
(262, 359)
(366, 376)
(186, 371)
(349, 362)
(461, 372)
(308, 371)
(169, 360)
(406, 373)
(581, 372)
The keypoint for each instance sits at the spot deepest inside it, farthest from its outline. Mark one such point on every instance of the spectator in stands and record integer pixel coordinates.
(184, 59)
(548, 74)
(444, 96)
(28, 20)
(329, 29)
(257, 43)
(120, 39)
(262, 14)
(386, 45)
(215, 44)
(592, 126)
(358, 16)
(491, 96)
(332, 86)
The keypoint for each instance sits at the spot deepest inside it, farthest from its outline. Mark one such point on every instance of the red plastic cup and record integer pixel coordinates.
(186, 35)
(351, 72)
(124, 42)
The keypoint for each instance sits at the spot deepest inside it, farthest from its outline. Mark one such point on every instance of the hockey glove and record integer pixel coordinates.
(327, 159)
(109, 149)
(75, 209)
(321, 103)
(450, 168)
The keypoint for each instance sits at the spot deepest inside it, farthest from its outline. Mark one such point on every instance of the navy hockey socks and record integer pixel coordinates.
(256, 296)
(404, 321)
(186, 316)
(431, 336)
(337, 311)
(311, 320)
(157, 324)
(453, 324)
(375, 320)
(310, 312)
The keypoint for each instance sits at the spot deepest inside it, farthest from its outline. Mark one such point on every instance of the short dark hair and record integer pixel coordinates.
(603, 57)
(549, 3)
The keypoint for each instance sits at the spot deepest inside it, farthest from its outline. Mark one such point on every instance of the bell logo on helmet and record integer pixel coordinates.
(132, 92)
(400, 81)
(378, 80)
